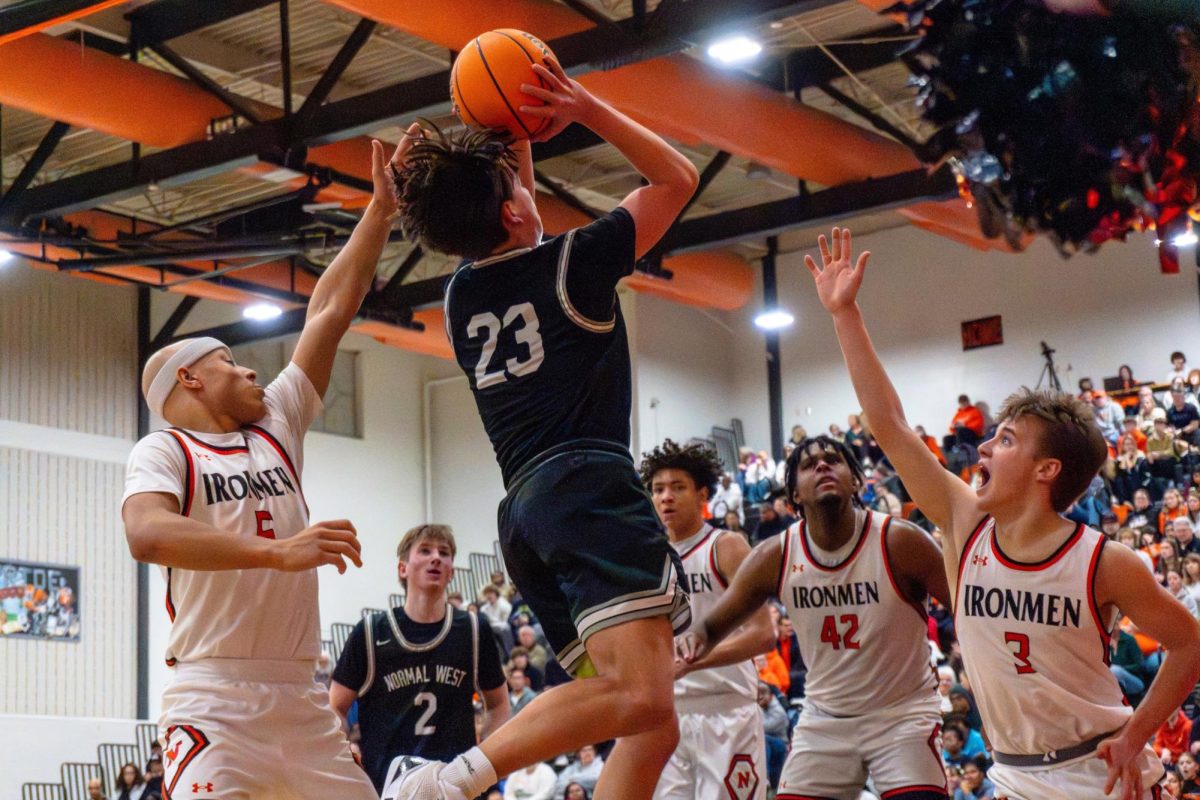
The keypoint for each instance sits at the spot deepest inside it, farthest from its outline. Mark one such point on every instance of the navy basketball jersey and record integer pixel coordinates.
(415, 693)
(540, 336)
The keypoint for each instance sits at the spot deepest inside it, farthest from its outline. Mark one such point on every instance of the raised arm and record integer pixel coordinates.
(671, 179)
(755, 583)
(939, 494)
(158, 534)
(340, 291)
(757, 636)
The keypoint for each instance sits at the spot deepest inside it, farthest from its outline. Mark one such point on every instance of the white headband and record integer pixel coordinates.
(164, 381)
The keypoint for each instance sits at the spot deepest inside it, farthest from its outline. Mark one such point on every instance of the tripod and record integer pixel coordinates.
(1049, 373)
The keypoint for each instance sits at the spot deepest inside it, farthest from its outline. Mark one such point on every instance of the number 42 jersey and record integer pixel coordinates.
(539, 333)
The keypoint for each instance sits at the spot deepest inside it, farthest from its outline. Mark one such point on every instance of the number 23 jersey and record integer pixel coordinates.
(539, 333)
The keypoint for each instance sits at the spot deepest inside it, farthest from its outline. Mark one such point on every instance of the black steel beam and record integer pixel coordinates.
(285, 56)
(354, 42)
(565, 196)
(171, 326)
(28, 13)
(197, 77)
(774, 360)
(711, 170)
(387, 293)
(36, 161)
(877, 121)
(810, 66)
(817, 208)
(167, 19)
(574, 138)
(209, 252)
(594, 48)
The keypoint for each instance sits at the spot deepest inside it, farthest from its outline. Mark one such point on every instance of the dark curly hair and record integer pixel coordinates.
(451, 188)
(701, 462)
(825, 443)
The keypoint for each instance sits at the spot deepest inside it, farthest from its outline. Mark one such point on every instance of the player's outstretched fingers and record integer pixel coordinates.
(812, 266)
(554, 80)
(823, 244)
(342, 548)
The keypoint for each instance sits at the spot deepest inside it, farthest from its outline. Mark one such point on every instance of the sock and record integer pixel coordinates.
(471, 773)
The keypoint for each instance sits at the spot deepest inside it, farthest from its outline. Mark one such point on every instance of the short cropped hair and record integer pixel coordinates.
(792, 467)
(451, 189)
(1068, 432)
(436, 533)
(700, 462)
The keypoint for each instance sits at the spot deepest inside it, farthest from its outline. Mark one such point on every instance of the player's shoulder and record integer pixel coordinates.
(162, 442)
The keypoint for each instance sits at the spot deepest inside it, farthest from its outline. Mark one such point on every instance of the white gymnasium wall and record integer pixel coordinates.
(47, 742)
(66, 424)
(1098, 311)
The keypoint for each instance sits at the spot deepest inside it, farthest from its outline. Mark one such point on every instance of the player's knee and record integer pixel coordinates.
(649, 710)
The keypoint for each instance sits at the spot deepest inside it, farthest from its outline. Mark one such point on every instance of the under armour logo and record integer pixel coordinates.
(1051, 756)
(197, 788)
(797, 568)
(979, 560)
(205, 456)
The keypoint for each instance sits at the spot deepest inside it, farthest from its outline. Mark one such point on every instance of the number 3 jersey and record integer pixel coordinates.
(865, 644)
(540, 336)
(1034, 644)
(415, 682)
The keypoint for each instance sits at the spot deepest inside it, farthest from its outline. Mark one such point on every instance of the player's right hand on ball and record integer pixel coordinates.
(330, 542)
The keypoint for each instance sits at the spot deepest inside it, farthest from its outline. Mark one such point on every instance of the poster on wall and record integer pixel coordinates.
(39, 601)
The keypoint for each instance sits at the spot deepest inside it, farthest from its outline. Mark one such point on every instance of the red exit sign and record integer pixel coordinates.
(983, 332)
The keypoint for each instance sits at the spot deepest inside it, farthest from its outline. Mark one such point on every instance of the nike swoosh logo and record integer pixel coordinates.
(380, 642)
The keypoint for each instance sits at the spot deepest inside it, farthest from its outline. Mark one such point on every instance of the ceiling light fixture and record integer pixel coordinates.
(734, 49)
(773, 319)
(261, 312)
(5, 257)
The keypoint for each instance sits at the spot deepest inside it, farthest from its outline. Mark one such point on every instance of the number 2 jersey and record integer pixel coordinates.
(415, 682)
(539, 334)
(1034, 644)
(865, 644)
(244, 483)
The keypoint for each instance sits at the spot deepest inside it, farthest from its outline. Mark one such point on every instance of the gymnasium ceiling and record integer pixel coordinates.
(103, 178)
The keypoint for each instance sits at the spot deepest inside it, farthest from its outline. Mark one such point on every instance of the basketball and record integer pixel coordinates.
(485, 81)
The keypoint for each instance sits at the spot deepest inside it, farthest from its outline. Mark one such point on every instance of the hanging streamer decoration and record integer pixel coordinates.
(1081, 126)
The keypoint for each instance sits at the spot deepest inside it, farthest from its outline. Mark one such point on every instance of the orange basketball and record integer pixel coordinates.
(485, 81)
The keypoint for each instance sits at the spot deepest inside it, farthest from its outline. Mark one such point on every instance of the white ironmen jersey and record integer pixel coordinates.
(865, 644)
(706, 585)
(1035, 645)
(246, 483)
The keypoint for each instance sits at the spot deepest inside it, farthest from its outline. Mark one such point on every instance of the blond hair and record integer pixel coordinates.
(1068, 433)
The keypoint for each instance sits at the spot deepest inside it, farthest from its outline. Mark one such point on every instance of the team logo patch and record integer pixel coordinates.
(979, 561)
(742, 779)
(183, 744)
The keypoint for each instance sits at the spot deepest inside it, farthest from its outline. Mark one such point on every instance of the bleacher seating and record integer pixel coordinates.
(75, 777)
(112, 758)
(396, 600)
(466, 583)
(43, 791)
(340, 631)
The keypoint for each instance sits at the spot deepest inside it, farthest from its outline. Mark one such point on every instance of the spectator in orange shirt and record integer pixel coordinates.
(931, 443)
(1130, 431)
(967, 425)
(1172, 738)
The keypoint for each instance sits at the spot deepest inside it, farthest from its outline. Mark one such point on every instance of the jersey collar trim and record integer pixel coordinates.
(427, 646)
(507, 254)
(862, 538)
(688, 546)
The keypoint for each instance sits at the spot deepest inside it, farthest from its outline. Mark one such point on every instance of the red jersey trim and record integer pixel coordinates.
(887, 567)
(1094, 605)
(199, 743)
(189, 476)
(785, 539)
(697, 545)
(862, 538)
(279, 448)
(1045, 563)
(962, 560)
(225, 451)
(938, 790)
(170, 603)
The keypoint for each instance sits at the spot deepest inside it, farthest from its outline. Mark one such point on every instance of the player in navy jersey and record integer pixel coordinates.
(414, 670)
(537, 328)
(1036, 595)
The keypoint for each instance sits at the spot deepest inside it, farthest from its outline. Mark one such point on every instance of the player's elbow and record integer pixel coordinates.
(143, 546)
(765, 641)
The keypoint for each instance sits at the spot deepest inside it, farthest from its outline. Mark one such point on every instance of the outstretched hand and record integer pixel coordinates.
(837, 281)
(383, 173)
(566, 101)
(1121, 757)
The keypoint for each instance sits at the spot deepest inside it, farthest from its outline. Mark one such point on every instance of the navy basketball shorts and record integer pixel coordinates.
(584, 546)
